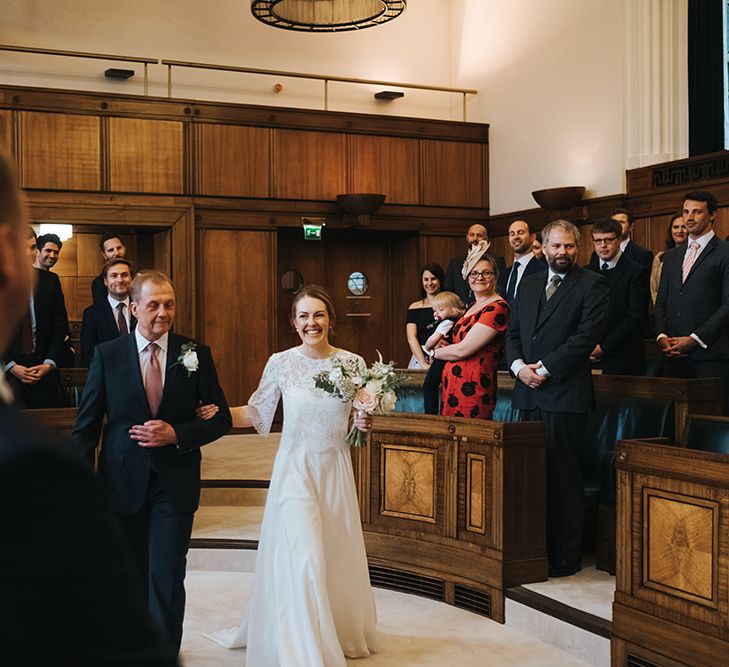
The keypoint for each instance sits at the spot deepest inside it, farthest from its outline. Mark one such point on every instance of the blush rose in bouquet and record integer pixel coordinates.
(370, 390)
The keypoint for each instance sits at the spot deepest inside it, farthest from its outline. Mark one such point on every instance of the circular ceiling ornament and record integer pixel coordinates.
(326, 15)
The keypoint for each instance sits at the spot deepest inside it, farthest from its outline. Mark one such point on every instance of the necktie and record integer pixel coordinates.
(153, 379)
(605, 266)
(121, 321)
(553, 285)
(27, 346)
(511, 287)
(688, 261)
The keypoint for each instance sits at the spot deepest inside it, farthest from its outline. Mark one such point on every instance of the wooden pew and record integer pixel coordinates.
(454, 508)
(59, 419)
(671, 602)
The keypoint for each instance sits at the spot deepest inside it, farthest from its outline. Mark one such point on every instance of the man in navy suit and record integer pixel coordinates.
(33, 355)
(555, 324)
(628, 247)
(148, 385)
(111, 247)
(692, 305)
(108, 319)
(621, 350)
(521, 237)
(68, 594)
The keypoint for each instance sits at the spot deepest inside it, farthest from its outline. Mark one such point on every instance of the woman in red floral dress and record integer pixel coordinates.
(468, 385)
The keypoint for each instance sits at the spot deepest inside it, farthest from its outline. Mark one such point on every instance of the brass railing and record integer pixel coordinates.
(85, 54)
(325, 78)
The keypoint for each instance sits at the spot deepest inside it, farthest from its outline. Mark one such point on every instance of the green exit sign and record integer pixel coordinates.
(312, 228)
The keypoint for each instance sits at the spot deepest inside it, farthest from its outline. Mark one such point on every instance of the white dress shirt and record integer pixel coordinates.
(114, 303)
(144, 354)
(523, 261)
(610, 262)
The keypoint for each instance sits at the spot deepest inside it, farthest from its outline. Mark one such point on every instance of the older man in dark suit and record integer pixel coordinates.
(34, 353)
(621, 350)
(692, 306)
(112, 317)
(148, 385)
(68, 595)
(556, 323)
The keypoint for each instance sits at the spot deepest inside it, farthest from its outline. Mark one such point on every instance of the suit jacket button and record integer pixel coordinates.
(534, 337)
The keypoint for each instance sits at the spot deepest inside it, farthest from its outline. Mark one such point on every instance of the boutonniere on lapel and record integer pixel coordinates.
(188, 358)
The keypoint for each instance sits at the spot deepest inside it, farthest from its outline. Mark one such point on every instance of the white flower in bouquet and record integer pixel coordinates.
(389, 399)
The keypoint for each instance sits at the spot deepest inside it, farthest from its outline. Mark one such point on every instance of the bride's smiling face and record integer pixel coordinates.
(312, 321)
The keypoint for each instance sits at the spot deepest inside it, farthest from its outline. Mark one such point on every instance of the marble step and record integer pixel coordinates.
(227, 522)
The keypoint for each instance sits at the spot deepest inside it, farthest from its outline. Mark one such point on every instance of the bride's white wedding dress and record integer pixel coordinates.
(311, 602)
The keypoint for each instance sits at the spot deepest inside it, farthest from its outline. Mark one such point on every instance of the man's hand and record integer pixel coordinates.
(528, 375)
(42, 369)
(25, 374)
(679, 346)
(153, 433)
(597, 354)
(663, 343)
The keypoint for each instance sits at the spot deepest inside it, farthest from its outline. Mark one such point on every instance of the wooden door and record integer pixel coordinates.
(365, 322)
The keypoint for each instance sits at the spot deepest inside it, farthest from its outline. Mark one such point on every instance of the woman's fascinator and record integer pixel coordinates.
(477, 251)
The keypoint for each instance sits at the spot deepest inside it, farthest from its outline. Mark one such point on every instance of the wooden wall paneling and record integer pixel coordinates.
(309, 165)
(387, 165)
(233, 160)
(453, 174)
(67, 258)
(69, 287)
(60, 151)
(237, 305)
(7, 132)
(179, 263)
(146, 155)
(405, 288)
(439, 249)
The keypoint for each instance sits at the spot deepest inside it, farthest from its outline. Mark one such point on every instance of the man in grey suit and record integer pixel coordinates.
(556, 323)
(692, 306)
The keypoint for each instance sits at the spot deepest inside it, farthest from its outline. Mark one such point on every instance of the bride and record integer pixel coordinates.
(311, 603)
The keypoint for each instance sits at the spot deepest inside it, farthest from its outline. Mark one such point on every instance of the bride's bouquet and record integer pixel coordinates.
(371, 389)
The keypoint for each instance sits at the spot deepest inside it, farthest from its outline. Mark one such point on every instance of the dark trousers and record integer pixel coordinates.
(431, 387)
(159, 537)
(565, 485)
(42, 394)
(685, 367)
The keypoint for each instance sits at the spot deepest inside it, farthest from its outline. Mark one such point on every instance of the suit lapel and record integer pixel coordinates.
(551, 305)
(540, 286)
(134, 368)
(710, 247)
(108, 315)
(172, 368)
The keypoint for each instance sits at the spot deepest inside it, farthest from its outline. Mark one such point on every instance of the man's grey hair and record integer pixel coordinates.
(147, 276)
(566, 226)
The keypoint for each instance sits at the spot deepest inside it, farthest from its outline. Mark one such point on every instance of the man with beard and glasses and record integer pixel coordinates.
(556, 323)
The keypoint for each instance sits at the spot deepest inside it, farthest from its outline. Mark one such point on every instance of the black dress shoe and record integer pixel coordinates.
(564, 568)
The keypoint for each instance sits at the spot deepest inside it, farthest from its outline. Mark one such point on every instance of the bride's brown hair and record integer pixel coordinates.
(315, 292)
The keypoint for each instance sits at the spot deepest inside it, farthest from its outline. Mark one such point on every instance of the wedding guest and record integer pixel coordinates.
(110, 319)
(537, 246)
(420, 314)
(448, 308)
(311, 602)
(469, 376)
(676, 234)
(454, 280)
(48, 248)
(628, 247)
(521, 239)
(112, 247)
(68, 593)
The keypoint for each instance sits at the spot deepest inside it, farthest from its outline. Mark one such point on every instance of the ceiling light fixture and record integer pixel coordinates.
(326, 15)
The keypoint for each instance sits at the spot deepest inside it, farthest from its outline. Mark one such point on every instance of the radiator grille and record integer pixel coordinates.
(635, 661)
(478, 602)
(406, 582)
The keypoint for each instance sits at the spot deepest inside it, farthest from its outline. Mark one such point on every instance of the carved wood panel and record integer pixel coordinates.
(60, 151)
(146, 155)
(6, 130)
(408, 479)
(387, 165)
(234, 160)
(309, 165)
(453, 174)
(476, 493)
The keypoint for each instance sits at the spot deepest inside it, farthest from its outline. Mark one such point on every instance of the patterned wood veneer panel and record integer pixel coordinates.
(475, 493)
(680, 545)
(453, 174)
(408, 480)
(60, 151)
(388, 165)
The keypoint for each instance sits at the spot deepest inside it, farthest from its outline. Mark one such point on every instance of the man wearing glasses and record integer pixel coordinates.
(621, 350)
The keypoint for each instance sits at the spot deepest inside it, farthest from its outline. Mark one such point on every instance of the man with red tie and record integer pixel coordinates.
(148, 385)
(692, 306)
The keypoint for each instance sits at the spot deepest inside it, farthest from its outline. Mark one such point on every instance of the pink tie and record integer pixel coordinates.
(153, 379)
(689, 259)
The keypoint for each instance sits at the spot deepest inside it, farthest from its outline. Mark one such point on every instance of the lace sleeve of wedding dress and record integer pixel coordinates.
(262, 403)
